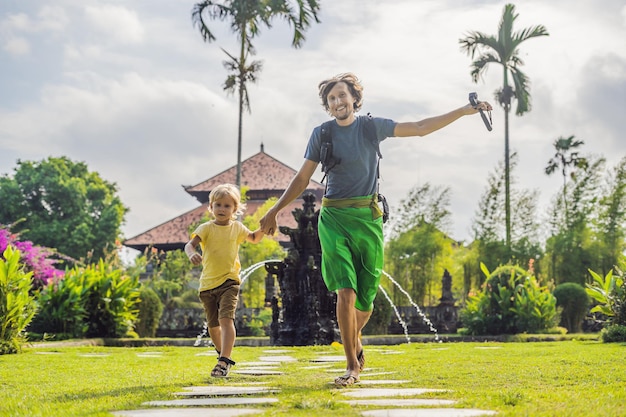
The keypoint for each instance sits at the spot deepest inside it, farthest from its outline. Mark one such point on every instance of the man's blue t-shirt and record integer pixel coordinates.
(356, 175)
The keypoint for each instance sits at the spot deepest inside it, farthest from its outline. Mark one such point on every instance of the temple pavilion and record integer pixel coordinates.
(264, 177)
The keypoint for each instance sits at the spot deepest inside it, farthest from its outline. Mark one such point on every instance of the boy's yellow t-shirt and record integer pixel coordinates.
(220, 252)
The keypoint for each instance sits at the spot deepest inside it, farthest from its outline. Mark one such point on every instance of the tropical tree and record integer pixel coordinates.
(565, 158)
(570, 248)
(503, 49)
(489, 236)
(611, 220)
(59, 203)
(417, 251)
(246, 19)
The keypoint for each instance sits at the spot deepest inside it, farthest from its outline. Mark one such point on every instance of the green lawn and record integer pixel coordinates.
(570, 378)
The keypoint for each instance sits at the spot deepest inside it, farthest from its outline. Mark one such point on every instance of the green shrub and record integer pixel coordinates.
(62, 307)
(511, 301)
(574, 301)
(254, 325)
(610, 294)
(614, 333)
(17, 306)
(111, 301)
(150, 311)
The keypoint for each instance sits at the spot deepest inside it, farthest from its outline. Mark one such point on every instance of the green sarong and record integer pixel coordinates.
(351, 236)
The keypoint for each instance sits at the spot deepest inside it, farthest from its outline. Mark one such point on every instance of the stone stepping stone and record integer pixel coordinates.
(277, 351)
(367, 374)
(427, 412)
(383, 381)
(188, 412)
(217, 391)
(94, 355)
(150, 355)
(401, 402)
(258, 368)
(206, 402)
(274, 364)
(278, 358)
(329, 359)
(255, 372)
(48, 353)
(388, 392)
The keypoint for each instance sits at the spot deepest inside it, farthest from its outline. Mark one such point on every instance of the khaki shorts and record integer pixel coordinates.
(220, 302)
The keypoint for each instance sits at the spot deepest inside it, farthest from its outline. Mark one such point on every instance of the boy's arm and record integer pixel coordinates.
(190, 250)
(256, 236)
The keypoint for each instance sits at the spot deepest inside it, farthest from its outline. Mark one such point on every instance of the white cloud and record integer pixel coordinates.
(115, 22)
(131, 89)
(17, 46)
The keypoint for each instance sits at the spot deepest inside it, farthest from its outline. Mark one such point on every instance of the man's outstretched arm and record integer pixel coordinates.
(296, 187)
(432, 124)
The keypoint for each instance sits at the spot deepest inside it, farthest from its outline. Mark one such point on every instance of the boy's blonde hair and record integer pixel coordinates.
(227, 190)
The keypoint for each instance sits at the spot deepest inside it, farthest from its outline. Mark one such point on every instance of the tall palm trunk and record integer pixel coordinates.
(506, 101)
(242, 71)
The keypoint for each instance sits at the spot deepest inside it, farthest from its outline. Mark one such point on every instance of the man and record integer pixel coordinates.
(350, 223)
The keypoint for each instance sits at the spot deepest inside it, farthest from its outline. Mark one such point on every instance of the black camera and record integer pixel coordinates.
(473, 99)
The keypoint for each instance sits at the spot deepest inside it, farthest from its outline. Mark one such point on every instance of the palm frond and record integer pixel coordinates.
(213, 11)
(479, 66)
(522, 93)
(476, 41)
(531, 32)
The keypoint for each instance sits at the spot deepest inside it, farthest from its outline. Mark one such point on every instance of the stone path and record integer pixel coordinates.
(210, 401)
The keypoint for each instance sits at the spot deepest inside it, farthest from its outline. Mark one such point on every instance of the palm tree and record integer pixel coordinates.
(564, 158)
(246, 18)
(503, 49)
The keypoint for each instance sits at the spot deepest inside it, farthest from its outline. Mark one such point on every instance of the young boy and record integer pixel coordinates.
(219, 283)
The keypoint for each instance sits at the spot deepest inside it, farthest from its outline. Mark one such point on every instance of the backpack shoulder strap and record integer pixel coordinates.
(325, 132)
(327, 158)
(369, 131)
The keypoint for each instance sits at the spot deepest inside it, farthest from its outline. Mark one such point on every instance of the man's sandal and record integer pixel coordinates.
(361, 358)
(220, 370)
(346, 380)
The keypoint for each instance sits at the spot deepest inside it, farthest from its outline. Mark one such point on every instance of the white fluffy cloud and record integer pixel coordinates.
(130, 88)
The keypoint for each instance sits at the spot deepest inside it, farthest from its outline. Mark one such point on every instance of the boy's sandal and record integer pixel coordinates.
(222, 370)
(346, 380)
(361, 358)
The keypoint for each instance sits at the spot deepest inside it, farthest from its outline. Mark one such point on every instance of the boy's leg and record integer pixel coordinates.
(228, 305)
(228, 334)
(216, 337)
(209, 302)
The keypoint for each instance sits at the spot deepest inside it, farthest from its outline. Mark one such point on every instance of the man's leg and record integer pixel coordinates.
(362, 317)
(216, 337)
(351, 321)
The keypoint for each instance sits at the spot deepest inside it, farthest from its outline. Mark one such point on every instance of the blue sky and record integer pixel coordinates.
(130, 88)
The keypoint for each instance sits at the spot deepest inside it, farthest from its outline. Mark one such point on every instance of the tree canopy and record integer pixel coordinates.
(61, 204)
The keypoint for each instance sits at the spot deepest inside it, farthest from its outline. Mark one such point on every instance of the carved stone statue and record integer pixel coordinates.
(303, 311)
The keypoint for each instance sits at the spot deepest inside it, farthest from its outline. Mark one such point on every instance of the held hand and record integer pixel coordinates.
(268, 224)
